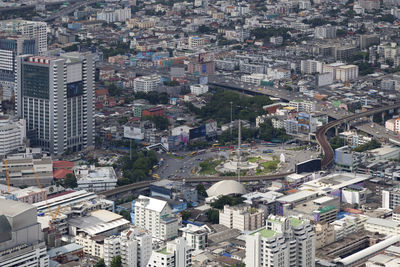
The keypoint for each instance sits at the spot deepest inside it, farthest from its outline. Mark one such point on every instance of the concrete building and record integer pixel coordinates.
(146, 83)
(95, 179)
(154, 215)
(255, 78)
(382, 226)
(391, 198)
(324, 234)
(342, 71)
(35, 30)
(325, 32)
(21, 240)
(55, 95)
(199, 89)
(243, 217)
(21, 166)
(196, 42)
(303, 106)
(133, 245)
(311, 66)
(348, 225)
(176, 253)
(12, 134)
(283, 242)
(196, 236)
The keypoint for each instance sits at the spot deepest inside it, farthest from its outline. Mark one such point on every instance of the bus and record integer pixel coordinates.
(156, 176)
(193, 153)
(215, 145)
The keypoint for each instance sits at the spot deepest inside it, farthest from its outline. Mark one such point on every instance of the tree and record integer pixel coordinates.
(100, 263)
(125, 214)
(116, 261)
(337, 142)
(213, 216)
(70, 181)
(185, 215)
(201, 190)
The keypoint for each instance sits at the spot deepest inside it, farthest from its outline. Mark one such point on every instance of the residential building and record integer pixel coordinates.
(242, 217)
(303, 106)
(382, 226)
(114, 15)
(133, 245)
(195, 236)
(21, 241)
(96, 179)
(369, 4)
(391, 198)
(278, 73)
(154, 215)
(324, 235)
(55, 95)
(146, 83)
(36, 30)
(196, 42)
(354, 194)
(325, 32)
(283, 242)
(342, 71)
(348, 225)
(12, 134)
(255, 78)
(176, 253)
(367, 40)
(311, 66)
(199, 89)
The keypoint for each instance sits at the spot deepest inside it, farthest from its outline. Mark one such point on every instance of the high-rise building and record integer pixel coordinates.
(21, 238)
(311, 66)
(154, 215)
(10, 47)
(325, 32)
(242, 217)
(36, 30)
(133, 245)
(177, 253)
(12, 134)
(196, 236)
(282, 242)
(55, 95)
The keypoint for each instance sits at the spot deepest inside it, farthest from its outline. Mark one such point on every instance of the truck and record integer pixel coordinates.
(266, 151)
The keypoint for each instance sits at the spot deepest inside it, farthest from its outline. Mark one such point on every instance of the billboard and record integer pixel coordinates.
(133, 133)
(303, 120)
(203, 80)
(211, 128)
(197, 132)
(311, 165)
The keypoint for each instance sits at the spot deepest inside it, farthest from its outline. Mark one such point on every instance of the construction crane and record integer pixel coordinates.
(53, 215)
(7, 175)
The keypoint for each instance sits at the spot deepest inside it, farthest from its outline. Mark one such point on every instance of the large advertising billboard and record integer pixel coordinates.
(133, 133)
(303, 120)
(197, 132)
(311, 165)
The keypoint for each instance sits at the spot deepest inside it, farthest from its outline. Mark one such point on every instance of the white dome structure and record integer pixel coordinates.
(226, 187)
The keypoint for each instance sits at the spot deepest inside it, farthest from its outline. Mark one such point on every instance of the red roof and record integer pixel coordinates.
(61, 173)
(100, 92)
(63, 164)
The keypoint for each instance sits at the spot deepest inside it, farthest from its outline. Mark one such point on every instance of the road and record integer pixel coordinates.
(321, 132)
(69, 9)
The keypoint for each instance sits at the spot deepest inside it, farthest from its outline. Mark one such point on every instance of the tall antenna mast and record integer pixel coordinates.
(239, 149)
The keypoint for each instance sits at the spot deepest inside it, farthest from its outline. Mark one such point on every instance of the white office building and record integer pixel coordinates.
(95, 179)
(154, 215)
(55, 95)
(282, 242)
(133, 245)
(199, 89)
(12, 134)
(255, 78)
(303, 106)
(177, 253)
(21, 239)
(342, 71)
(146, 83)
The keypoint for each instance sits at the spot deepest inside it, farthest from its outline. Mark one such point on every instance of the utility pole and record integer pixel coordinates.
(230, 126)
(239, 150)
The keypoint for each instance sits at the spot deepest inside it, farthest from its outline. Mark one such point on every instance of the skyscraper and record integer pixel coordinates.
(55, 97)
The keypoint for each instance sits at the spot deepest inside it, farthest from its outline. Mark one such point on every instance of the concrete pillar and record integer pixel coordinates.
(337, 130)
(348, 126)
(371, 118)
(383, 117)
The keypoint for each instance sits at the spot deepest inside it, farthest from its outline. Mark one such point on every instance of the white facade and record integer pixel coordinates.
(278, 73)
(146, 83)
(255, 78)
(283, 242)
(302, 106)
(154, 215)
(342, 71)
(325, 32)
(177, 253)
(95, 179)
(133, 245)
(382, 226)
(195, 236)
(196, 42)
(348, 225)
(243, 218)
(117, 15)
(311, 66)
(12, 134)
(354, 196)
(199, 89)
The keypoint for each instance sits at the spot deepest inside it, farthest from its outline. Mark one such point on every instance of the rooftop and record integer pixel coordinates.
(265, 233)
(295, 221)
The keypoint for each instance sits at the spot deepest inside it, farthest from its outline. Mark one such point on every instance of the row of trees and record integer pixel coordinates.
(137, 167)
